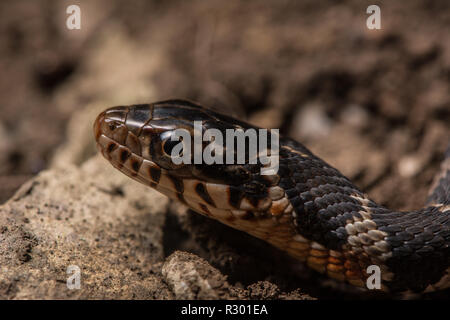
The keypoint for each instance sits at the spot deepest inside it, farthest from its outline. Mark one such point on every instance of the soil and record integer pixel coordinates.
(373, 103)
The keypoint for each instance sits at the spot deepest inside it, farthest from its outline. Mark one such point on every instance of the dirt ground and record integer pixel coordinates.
(373, 103)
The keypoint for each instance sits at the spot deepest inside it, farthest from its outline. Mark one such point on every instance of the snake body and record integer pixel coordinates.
(308, 209)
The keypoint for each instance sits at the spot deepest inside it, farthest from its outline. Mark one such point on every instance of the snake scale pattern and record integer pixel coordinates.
(308, 209)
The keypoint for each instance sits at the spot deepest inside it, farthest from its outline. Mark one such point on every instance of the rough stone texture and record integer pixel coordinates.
(91, 217)
(191, 277)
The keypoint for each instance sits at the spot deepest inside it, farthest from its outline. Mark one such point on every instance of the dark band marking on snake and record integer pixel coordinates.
(203, 193)
(308, 209)
(155, 174)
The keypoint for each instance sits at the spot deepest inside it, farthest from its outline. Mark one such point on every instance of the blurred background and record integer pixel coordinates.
(373, 103)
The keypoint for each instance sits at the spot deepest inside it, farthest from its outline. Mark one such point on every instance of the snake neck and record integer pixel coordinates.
(411, 248)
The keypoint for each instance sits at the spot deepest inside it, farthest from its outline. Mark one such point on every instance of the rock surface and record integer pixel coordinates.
(90, 217)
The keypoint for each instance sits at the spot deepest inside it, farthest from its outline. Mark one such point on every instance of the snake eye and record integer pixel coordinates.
(169, 145)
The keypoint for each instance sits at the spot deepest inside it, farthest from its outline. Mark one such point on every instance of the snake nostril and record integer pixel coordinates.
(168, 146)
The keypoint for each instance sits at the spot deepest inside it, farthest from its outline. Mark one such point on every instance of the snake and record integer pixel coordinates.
(307, 209)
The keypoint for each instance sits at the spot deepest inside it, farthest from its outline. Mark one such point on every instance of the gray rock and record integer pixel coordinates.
(90, 217)
(191, 277)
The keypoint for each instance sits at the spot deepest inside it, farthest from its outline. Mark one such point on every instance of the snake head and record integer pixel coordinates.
(164, 134)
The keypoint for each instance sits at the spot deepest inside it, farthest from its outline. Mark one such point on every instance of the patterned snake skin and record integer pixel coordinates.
(308, 209)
